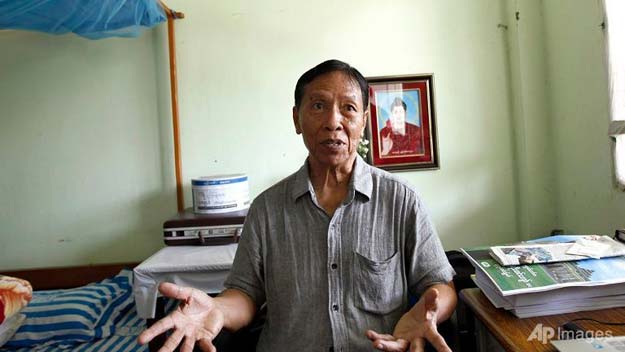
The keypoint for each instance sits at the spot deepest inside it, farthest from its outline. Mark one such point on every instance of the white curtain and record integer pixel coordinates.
(615, 14)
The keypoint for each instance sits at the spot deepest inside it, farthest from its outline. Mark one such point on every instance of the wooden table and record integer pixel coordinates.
(512, 333)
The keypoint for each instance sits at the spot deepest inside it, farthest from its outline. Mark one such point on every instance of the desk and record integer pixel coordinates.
(512, 333)
(202, 267)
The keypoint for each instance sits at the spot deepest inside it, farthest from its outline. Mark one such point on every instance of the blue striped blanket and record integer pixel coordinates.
(96, 317)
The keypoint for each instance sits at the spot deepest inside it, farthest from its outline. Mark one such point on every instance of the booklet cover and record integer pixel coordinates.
(560, 295)
(577, 248)
(563, 300)
(513, 280)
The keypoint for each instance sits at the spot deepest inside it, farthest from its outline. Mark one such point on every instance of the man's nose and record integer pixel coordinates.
(334, 119)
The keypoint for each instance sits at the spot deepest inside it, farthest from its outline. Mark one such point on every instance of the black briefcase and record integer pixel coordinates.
(188, 228)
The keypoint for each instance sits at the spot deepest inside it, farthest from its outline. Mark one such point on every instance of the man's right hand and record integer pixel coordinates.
(197, 318)
(387, 144)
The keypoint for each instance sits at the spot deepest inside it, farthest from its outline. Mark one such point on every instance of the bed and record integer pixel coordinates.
(117, 325)
(80, 309)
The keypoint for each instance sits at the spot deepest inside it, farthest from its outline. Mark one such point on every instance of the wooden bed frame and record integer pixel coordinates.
(68, 277)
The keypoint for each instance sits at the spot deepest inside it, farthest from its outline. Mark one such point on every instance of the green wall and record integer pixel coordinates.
(530, 112)
(81, 178)
(587, 200)
(239, 61)
(86, 147)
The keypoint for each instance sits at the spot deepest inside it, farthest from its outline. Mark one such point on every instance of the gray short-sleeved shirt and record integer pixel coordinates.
(326, 280)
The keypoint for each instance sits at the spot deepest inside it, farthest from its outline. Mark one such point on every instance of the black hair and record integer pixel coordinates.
(399, 102)
(327, 67)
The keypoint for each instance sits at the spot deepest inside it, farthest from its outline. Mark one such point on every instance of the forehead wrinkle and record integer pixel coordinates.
(352, 96)
(319, 94)
(327, 93)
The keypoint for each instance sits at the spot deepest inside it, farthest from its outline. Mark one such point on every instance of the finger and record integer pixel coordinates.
(206, 345)
(373, 335)
(437, 341)
(399, 345)
(187, 345)
(158, 328)
(172, 341)
(417, 345)
(174, 291)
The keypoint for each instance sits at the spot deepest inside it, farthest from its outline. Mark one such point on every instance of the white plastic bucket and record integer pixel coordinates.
(220, 193)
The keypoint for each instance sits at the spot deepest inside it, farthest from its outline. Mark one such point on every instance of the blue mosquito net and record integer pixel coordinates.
(93, 19)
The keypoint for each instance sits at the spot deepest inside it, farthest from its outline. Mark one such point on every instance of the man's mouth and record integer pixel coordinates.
(333, 143)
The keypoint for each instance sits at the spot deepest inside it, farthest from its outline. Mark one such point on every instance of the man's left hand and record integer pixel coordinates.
(414, 328)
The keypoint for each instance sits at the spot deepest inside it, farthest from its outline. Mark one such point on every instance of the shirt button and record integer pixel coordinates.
(334, 266)
(335, 307)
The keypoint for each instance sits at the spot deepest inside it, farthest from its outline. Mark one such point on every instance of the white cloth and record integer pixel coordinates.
(201, 267)
(615, 13)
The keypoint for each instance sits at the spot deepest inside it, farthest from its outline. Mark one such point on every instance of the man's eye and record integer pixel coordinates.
(317, 106)
(351, 108)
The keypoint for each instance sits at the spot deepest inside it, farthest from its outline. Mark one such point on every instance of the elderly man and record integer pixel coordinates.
(398, 136)
(333, 250)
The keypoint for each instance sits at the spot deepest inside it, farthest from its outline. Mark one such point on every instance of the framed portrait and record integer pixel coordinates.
(402, 124)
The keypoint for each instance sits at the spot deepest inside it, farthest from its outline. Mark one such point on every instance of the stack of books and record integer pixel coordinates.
(553, 275)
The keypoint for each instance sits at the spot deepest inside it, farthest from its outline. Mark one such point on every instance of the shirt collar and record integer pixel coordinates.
(360, 182)
(361, 178)
(300, 187)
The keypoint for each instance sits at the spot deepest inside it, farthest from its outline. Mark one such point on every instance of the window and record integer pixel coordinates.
(615, 16)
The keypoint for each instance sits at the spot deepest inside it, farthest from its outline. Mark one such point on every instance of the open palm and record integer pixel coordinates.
(414, 328)
(197, 318)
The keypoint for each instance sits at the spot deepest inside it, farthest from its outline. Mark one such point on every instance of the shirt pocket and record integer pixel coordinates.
(378, 285)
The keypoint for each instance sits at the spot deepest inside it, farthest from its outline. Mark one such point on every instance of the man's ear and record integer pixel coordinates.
(365, 118)
(298, 128)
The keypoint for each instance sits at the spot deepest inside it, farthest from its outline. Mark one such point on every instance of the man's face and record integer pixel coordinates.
(331, 117)
(398, 119)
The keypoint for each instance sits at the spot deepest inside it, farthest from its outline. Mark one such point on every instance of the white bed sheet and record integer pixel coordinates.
(202, 267)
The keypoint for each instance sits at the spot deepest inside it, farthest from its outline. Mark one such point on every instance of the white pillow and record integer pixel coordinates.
(10, 326)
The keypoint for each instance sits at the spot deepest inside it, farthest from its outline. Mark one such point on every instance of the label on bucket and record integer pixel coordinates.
(220, 194)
